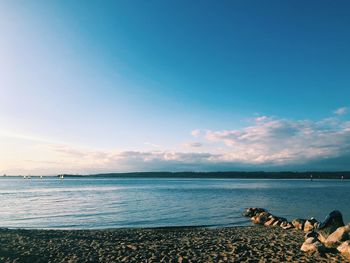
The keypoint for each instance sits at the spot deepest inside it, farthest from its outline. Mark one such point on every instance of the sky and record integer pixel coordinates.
(122, 86)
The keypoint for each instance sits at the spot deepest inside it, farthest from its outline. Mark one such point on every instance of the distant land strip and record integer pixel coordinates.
(243, 175)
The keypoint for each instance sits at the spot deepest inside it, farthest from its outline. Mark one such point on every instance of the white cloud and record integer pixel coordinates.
(261, 118)
(196, 133)
(341, 111)
(267, 143)
(193, 144)
(280, 141)
(152, 144)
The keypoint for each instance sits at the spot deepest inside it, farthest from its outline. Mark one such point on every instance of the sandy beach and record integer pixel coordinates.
(234, 244)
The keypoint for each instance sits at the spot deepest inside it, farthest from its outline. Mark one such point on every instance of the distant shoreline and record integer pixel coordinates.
(214, 175)
(222, 175)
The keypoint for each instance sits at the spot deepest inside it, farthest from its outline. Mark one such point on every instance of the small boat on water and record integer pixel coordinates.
(61, 177)
(41, 177)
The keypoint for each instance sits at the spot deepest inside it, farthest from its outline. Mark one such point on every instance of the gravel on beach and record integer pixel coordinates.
(183, 244)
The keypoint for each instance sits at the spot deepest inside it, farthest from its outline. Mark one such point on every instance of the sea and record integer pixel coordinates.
(102, 203)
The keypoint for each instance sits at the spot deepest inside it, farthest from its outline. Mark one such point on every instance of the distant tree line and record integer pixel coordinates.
(246, 175)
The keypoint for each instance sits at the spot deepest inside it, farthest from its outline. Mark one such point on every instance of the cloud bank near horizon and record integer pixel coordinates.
(268, 143)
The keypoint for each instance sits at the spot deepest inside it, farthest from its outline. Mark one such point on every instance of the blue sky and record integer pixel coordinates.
(90, 86)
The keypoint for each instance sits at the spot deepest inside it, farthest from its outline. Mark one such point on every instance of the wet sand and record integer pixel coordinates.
(234, 244)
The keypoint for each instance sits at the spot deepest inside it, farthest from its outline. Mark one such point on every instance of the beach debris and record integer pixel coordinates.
(344, 249)
(332, 221)
(338, 236)
(312, 245)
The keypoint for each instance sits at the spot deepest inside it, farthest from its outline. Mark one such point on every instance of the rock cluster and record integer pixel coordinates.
(329, 235)
(322, 237)
(263, 217)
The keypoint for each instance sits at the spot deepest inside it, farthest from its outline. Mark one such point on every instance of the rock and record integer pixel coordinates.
(298, 223)
(132, 247)
(286, 225)
(260, 218)
(282, 219)
(271, 219)
(312, 245)
(344, 248)
(316, 225)
(310, 224)
(277, 223)
(311, 234)
(330, 224)
(252, 211)
(338, 236)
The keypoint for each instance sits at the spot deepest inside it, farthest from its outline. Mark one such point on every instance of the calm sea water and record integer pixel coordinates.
(108, 203)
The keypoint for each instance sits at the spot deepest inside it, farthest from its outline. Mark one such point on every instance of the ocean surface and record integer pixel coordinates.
(95, 203)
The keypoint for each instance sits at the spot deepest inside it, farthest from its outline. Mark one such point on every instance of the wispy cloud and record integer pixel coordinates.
(196, 133)
(261, 118)
(152, 144)
(21, 136)
(341, 111)
(193, 144)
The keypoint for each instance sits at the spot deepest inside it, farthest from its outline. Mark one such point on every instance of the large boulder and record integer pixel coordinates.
(338, 236)
(252, 211)
(344, 248)
(312, 245)
(330, 224)
(298, 223)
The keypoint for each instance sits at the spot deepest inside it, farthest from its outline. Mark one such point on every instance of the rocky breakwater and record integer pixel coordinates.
(263, 217)
(329, 236)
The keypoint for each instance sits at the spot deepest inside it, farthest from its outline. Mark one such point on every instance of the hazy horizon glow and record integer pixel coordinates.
(174, 86)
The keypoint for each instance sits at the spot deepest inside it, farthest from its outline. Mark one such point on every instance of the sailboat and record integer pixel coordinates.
(61, 176)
